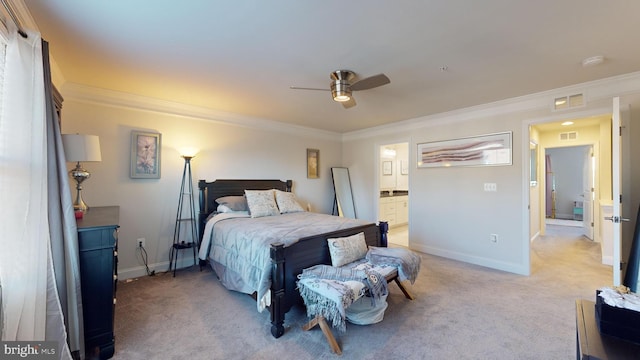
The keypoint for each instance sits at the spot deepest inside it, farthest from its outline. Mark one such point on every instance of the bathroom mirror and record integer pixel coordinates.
(344, 198)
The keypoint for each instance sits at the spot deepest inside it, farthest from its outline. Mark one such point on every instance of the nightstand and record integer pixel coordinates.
(98, 250)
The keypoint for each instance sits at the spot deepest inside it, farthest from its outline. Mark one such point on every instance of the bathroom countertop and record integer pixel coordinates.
(384, 194)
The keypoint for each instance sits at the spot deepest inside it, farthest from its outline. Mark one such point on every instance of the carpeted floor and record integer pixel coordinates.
(461, 311)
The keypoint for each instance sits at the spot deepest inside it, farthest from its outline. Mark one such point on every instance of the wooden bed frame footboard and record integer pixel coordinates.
(288, 262)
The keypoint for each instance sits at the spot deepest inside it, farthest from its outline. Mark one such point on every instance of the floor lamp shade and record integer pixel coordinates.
(79, 148)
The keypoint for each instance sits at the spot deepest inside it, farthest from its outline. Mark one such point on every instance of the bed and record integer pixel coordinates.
(286, 259)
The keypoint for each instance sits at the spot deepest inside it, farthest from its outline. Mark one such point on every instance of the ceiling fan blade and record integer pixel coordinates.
(349, 104)
(306, 88)
(370, 82)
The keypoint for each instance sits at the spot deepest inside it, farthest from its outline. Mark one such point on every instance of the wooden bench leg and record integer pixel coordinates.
(320, 320)
(406, 292)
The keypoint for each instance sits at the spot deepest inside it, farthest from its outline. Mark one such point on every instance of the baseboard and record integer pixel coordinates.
(515, 268)
(607, 260)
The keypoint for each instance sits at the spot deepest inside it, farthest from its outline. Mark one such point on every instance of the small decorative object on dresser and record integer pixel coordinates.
(98, 246)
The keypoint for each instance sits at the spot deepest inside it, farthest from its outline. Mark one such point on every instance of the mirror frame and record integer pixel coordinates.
(343, 198)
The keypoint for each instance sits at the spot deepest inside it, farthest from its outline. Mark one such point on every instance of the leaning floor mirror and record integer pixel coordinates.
(343, 199)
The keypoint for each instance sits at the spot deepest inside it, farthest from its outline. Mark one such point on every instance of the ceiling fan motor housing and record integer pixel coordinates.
(340, 86)
(340, 90)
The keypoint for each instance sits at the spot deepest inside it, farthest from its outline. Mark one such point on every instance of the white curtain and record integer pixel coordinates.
(26, 267)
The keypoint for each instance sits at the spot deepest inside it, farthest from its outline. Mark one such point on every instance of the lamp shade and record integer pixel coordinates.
(79, 147)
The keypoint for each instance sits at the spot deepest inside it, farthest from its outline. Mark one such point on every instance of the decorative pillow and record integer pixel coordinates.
(287, 202)
(347, 249)
(261, 203)
(223, 209)
(235, 203)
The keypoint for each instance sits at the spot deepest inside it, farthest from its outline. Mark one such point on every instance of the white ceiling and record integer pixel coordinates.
(242, 56)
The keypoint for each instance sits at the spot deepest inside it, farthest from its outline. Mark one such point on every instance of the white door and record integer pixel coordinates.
(616, 177)
(588, 193)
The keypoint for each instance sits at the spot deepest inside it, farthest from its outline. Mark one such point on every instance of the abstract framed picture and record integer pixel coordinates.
(145, 155)
(313, 163)
(483, 150)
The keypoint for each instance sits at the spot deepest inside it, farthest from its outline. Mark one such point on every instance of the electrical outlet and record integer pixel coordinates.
(493, 238)
(141, 242)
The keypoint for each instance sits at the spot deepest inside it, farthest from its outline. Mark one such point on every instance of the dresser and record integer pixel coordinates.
(98, 247)
(593, 345)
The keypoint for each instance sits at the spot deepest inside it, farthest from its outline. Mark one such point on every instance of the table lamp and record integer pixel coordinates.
(79, 148)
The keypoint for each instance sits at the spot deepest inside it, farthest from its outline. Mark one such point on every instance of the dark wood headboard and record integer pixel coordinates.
(210, 191)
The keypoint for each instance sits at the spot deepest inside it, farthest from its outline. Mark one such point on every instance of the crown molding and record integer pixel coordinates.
(89, 94)
(26, 20)
(594, 90)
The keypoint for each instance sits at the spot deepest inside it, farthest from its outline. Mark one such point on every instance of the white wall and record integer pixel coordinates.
(450, 214)
(148, 207)
(397, 180)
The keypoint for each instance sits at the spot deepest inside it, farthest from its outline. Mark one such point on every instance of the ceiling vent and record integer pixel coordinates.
(567, 136)
(568, 102)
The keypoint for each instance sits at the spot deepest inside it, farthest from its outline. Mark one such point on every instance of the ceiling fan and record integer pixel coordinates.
(341, 86)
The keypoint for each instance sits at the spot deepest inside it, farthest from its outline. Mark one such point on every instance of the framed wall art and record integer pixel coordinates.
(145, 155)
(387, 168)
(483, 150)
(313, 163)
(404, 167)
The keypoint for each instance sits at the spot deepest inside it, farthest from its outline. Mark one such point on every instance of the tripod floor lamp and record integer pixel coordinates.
(80, 148)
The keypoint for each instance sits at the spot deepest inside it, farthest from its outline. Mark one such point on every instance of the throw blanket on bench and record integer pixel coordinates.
(407, 262)
(326, 290)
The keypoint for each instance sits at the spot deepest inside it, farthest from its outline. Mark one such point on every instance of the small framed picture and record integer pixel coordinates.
(313, 163)
(387, 167)
(145, 155)
(404, 167)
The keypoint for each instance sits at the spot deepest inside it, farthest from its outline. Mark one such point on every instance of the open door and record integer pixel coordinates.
(616, 182)
(588, 193)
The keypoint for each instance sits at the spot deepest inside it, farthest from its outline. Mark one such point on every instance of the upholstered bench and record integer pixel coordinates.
(330, 299)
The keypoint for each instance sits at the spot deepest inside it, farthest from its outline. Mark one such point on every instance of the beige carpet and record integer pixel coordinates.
(462, 311)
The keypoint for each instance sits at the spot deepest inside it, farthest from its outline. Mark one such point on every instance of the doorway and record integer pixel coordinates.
(583, 149)
(569, 177)
(393, 191)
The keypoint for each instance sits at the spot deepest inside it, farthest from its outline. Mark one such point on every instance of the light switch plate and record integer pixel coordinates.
(490, 187)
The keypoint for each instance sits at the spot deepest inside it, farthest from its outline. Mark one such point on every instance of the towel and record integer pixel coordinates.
(620, 297)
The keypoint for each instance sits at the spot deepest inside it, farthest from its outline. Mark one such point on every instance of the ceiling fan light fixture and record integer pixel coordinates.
(340, 91)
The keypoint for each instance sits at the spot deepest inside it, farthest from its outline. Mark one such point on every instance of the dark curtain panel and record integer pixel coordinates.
(62, 223)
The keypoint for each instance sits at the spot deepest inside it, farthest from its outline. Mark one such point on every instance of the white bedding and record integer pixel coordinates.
(240, 245)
